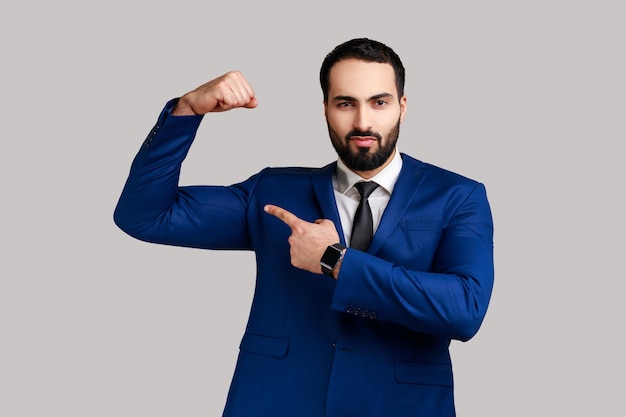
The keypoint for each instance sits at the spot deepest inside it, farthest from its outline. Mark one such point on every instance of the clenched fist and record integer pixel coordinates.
(227, 92)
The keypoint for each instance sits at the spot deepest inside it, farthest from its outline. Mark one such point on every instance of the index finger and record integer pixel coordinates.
(287, 217)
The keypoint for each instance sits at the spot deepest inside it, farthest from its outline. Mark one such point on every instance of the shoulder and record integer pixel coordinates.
(296, 173)
(434, 172)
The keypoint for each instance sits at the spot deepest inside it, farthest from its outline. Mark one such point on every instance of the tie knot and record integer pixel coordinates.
(366, 188)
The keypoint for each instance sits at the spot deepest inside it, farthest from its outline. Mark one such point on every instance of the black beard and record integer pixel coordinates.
(363, 160)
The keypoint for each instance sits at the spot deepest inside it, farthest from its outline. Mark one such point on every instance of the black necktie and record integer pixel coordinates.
(363, 226)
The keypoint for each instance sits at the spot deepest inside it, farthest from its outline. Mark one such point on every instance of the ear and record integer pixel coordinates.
(402, 108)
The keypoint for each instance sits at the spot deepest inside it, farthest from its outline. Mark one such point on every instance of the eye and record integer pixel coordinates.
(344, 104)
(380, 103)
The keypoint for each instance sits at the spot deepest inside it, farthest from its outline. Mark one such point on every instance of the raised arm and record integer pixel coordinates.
(153, 207)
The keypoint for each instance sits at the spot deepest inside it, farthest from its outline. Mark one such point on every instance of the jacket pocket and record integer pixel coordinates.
(420, 374)
(265, 345)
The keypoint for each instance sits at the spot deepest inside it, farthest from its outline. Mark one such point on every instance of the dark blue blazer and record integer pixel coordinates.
(373, 343)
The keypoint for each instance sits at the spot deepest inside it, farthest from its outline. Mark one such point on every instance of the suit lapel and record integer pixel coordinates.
(322, 181)
(409, 181)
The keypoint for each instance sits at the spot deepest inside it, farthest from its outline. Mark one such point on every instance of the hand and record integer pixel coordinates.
(308, 241)
(227, 92)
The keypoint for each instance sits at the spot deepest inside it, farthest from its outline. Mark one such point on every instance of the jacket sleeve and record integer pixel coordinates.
(450, 300)
(154, 208)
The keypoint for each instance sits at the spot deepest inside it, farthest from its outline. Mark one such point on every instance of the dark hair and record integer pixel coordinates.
(365, 50)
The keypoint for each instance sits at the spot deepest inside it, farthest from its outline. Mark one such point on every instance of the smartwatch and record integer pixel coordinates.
(331, 258)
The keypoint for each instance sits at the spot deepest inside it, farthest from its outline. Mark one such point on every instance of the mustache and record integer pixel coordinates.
(365, 133)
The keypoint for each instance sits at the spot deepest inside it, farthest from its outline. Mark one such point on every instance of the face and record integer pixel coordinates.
(363, 114)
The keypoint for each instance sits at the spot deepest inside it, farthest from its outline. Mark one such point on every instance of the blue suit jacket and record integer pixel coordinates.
(375, 342)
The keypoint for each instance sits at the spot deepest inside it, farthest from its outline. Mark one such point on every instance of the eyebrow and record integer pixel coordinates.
(374, 97)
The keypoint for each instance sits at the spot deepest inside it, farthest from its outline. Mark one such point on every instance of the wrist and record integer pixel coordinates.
(182, 108)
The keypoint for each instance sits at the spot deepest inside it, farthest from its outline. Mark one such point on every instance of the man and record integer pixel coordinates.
(339, 326)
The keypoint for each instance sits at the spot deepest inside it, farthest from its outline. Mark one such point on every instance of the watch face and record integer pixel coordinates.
(331, 257)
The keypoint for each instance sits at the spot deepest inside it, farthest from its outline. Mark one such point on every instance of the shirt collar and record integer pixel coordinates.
(346, 178)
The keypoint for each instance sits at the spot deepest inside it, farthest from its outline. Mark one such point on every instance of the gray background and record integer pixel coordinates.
(527, 97)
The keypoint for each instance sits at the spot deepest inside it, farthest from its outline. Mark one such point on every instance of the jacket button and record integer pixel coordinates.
(151, 136)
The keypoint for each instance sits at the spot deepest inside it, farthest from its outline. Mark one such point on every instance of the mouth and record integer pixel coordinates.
(363, 141)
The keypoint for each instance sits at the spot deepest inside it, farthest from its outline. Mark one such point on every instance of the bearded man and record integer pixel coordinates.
(367, 267)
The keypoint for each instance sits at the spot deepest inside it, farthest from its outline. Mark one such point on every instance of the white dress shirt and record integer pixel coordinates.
(348, 197)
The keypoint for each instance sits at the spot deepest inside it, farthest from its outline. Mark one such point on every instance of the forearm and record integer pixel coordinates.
(152, 185)
(449, 304)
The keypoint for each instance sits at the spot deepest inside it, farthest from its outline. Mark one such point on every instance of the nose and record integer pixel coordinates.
(362, 119)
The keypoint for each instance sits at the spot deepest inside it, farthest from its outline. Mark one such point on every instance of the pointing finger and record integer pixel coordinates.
(287, 217)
